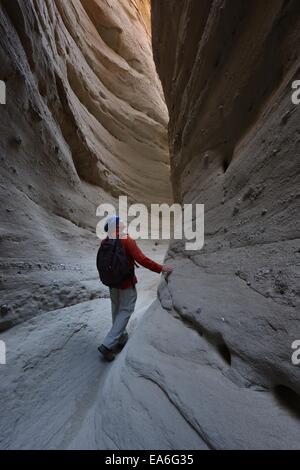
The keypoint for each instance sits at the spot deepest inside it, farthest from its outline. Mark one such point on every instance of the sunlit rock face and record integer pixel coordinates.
(85, 121)
(214, 364)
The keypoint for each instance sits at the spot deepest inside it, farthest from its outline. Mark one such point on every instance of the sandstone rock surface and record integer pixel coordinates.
(218, 355)
(84, 122)
(209, 363)
(234, 135)
(50, 388)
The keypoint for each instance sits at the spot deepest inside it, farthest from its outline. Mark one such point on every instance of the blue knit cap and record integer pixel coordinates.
(112, 222)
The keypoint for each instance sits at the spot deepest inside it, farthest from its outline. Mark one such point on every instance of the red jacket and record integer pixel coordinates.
(135, 254)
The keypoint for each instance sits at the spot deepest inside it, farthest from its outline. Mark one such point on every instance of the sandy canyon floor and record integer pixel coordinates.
(54, 373)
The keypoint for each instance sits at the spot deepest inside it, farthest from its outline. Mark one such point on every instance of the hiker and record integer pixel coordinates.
(117, 256)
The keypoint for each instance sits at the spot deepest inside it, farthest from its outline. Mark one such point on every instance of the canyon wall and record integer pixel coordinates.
(234, 142)
(85, 121)
(210, 366)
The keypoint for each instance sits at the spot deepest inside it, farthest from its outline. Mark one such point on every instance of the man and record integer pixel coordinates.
(123, 297)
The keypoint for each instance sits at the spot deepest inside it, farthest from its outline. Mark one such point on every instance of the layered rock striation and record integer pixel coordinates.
(234, 142)
(214, 364)
(85, 122)
(210, 363)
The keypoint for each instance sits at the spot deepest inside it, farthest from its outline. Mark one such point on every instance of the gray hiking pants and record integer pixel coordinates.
(122, 306)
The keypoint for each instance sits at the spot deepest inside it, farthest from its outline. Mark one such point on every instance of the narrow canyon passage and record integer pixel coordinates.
(85, 122)
(159, 100)
(55, 375)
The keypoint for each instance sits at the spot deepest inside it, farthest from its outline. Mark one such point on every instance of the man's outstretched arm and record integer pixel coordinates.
(143, 260)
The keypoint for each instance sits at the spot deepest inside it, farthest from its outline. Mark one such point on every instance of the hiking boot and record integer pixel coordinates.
(122, 342)
(107, 354)
(118, 348)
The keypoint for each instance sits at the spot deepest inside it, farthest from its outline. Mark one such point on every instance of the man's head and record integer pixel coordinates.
(114, 226)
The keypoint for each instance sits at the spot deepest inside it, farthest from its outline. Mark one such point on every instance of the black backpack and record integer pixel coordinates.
(112, 263)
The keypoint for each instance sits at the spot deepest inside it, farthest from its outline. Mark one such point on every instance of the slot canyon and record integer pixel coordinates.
(185, 101)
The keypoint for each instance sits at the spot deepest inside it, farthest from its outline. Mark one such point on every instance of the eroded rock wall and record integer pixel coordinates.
(234, 141)
(213, 367)
(85, 121)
